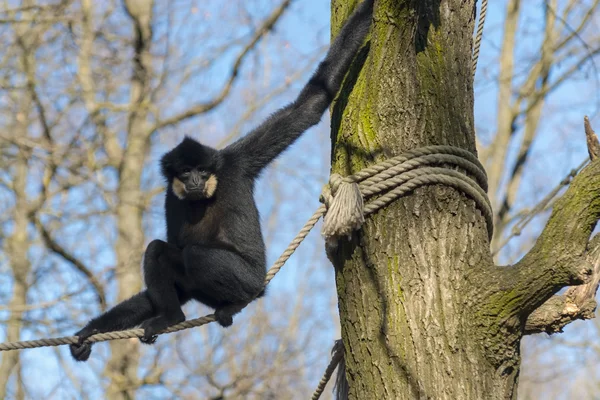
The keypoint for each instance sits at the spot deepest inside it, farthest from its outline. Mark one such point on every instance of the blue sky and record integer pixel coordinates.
(293, 184)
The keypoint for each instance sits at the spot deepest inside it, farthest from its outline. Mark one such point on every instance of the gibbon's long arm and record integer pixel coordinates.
(262, 145)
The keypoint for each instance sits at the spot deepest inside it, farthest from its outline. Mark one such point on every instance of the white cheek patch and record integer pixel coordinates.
(178, 189)
(210, 186)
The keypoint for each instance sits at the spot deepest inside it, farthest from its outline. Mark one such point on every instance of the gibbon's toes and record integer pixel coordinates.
(148, 338)
(224, 318)
(151, 328)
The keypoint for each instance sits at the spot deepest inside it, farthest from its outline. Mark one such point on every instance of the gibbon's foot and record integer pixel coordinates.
(148, 340)
(224, 317)
(81, 351)
(153, 326)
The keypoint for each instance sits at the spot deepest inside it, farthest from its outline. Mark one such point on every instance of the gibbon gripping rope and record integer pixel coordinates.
(344, 212)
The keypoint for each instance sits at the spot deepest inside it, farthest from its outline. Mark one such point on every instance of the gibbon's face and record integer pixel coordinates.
(190, 168)
(194, 184)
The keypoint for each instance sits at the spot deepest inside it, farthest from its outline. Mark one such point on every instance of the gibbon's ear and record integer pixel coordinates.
(167, 166)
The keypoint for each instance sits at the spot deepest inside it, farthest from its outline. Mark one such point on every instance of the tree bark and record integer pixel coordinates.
(424, 311)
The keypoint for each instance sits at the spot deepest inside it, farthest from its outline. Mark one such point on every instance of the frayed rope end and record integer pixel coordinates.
(344, 204)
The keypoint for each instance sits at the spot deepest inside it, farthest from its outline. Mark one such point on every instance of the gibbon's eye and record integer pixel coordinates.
(185, 172)
(204, 174)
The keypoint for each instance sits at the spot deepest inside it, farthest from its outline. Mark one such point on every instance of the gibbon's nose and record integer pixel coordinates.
(196, 182)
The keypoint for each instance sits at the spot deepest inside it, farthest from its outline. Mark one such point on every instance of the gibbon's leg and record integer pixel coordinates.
(163, 269)
(221, 279)
(124, 315)
(159, 322)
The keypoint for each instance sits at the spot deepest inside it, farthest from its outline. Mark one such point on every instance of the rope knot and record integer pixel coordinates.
(344, 203)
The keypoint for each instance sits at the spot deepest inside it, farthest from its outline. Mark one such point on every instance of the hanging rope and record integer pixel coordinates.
(343, 199)
(479, 35)
(336, 356)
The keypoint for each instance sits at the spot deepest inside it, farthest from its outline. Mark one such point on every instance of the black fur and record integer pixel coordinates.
(215, 252)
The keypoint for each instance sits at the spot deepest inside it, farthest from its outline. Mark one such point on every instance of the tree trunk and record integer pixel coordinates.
(18, 243)
(424, 311)
(17, 246)
(123, 364)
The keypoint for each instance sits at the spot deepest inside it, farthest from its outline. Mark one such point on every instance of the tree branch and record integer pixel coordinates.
(558, 256)
(577, 303)
(574, 32)
(88, 87)
(494, 157)
(591, 139)
(538, 75)
(78, 264)
(205, 107)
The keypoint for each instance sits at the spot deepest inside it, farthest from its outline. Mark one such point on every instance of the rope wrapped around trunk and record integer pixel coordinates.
(397, 176)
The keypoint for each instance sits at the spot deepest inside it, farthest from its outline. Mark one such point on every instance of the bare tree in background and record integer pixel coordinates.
(525, 83)
(543, 86)
(92, 92)
(23, 106)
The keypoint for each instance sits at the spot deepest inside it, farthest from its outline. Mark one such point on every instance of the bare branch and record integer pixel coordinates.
(88, 86)
(557, 258)
(574, 32)
(526, 216)
(592, 140)
(51, 20)
(494, 157)
(205, 107)
(35, 7)
(540, 74)
(29, 69)
(566, 75)
(577, 303)
(78, 264)
(257, 104)
(556, 313)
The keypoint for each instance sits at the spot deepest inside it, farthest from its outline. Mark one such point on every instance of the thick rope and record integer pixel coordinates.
(138, 333)
(338, 352)
(479, 35)
(344, 197)
(401, 174)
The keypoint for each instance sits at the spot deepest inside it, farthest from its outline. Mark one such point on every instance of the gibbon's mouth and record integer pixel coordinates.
(195, 193)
